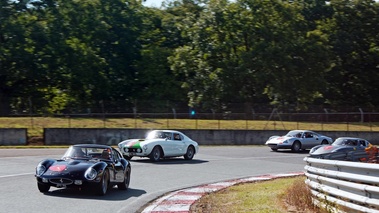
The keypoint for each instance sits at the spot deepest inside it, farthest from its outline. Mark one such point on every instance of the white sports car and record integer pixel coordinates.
(297, 140)
(160, 144)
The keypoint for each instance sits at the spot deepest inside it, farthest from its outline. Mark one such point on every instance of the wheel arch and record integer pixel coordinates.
(160, 147)
(194, 148)
(293, 144)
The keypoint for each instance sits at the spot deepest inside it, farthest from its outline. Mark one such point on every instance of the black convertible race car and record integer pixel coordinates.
(87, 166)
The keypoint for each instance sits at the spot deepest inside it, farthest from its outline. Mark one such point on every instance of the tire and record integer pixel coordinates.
(128, 157)
(274, 149)
(125, 184)
(43, 187)
(190, 153)
(296, 146)
(102, 187)
(156, 154)
(324, 142)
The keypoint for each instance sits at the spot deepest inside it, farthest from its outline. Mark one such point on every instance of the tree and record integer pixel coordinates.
(249, 51)
(352, 33)
(23, 72)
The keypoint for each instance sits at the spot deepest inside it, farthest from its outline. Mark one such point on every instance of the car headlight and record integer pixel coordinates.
(90, 174)
(40, 169)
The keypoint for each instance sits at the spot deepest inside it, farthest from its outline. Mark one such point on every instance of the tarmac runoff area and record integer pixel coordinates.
(180, 201)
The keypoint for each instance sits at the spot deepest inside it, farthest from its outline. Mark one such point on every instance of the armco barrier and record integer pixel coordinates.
(344, 185)
(13, 136)
(112, 136)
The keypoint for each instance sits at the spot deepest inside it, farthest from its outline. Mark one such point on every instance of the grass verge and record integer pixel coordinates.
(273, 196)
(35, 125)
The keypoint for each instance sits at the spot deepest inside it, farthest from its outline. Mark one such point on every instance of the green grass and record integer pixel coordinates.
(274, 196)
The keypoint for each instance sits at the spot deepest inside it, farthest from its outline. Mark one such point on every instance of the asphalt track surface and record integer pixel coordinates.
(149, 181)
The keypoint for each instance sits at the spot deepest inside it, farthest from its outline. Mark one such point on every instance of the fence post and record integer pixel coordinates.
(174, 112)
(135, 116)
(362, 115)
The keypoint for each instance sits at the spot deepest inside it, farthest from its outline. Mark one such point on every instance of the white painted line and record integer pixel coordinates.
(15, 175)
(224, 184)
(184, 197)
(172, 208)
(201, 190)
(255, 179)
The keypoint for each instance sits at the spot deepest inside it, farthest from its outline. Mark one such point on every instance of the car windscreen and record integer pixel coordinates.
(159, 134)
(294, 134)
(75, 152)
(345, 142)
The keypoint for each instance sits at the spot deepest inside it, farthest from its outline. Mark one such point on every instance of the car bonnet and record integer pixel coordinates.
(69, 166)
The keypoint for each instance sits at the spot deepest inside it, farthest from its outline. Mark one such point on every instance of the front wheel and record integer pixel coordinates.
(190, 153)
(156, 154)
(324, 142)
(274, 149)
(102, 187)
(125, 184)
(127, 157)
(43, 187)
(296, 146)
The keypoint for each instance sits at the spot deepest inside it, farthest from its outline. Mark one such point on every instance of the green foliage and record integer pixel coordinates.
(73, 55)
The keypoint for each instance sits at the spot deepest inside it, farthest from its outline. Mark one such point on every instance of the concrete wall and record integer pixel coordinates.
(13, 136)
(67, 136)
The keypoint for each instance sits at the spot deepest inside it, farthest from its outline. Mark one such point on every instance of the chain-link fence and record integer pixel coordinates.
(170, 115)
(237, 121)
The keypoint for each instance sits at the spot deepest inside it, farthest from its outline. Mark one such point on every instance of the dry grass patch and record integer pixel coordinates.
(298, 198)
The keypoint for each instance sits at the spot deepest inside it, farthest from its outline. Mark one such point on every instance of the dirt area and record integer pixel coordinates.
(35, 141)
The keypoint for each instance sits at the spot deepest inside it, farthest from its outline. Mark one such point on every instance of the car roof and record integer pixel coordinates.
(100, 146)
(166, 130)
(172, 131)
(351, 138)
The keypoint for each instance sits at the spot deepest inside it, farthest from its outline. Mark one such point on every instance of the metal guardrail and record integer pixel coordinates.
(343, 185)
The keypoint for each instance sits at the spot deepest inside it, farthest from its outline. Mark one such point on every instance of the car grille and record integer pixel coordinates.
(132, 149)
(61, 181)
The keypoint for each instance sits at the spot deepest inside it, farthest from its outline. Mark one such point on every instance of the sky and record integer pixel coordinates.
(153, 3)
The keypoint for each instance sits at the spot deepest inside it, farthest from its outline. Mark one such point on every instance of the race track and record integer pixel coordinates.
(149, 180)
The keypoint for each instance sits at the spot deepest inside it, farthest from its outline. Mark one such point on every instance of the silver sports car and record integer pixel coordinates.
(297, 140)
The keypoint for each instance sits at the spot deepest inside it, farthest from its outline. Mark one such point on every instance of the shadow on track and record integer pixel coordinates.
(291, 152)
(169, 161)
(113, 194)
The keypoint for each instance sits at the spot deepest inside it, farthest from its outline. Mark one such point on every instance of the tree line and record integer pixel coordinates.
(59, 55)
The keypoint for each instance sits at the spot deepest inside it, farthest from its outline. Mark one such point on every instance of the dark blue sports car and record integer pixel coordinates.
(88, 166)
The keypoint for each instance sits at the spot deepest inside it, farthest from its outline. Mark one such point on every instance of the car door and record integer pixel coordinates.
(118, 168)
(179, 145)
(310, 140)
(167, 144)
